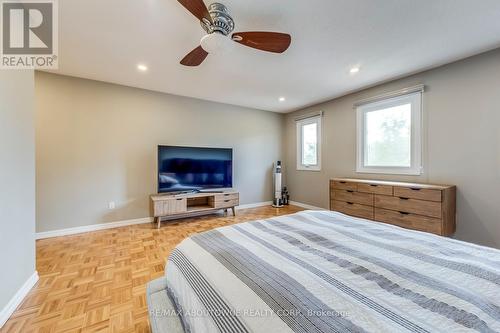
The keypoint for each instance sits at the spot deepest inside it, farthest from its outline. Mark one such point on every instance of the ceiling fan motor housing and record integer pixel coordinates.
(223, 22)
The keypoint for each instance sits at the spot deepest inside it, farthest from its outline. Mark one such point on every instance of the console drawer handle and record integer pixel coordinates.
(226, 195)
(350, 203)
(373, 185)
(179, 199)
(350, 191)
(227, 200)
(415, 189)
(404, 213)
(342, 182)
(403, 198)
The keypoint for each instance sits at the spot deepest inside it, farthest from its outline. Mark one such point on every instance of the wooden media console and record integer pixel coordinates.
(192, 204)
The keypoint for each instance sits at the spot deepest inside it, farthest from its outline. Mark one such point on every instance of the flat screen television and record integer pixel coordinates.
(185, 169)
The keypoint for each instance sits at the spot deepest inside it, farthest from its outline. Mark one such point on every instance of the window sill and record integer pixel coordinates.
(308, 169)
(389, 171)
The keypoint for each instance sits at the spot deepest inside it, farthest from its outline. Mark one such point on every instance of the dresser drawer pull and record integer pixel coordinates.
(415, 189)
(227, 200)
(350, 191)
(350, 203)
(226, 195)
(404, 213)
(403, 198)
(342, 182)
(373, 185)
(179, 199)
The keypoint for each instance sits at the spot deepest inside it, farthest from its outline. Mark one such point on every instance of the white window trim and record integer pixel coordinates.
(416, 135)
(299, 124)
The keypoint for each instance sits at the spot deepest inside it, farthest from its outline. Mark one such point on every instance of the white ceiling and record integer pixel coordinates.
(106, 39)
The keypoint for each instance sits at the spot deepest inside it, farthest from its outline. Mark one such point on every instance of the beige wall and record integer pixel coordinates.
(462, 142)
(17, 181)
(96, 143)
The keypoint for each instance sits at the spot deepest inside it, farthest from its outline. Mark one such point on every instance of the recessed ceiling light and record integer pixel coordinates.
(142, 67)
(282, 99)
(354, 70)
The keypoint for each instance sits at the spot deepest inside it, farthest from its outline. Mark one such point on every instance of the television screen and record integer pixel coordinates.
(194, 169)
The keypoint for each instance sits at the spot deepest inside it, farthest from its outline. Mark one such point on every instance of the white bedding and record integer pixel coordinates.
(319, 271)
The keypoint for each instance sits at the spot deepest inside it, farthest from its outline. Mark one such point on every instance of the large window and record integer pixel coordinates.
(309, 144)
(389, 135)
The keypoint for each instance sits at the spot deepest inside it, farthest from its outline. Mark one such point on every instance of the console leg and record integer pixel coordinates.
(225, 212)
(158, 219)
(234, 211)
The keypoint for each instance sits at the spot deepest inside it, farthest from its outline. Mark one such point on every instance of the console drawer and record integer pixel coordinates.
(406, 205)
(226, 203)
(418, 193)
(408, 220)
(226, 196)
(353, 209)
(352, 196)
(170, 206)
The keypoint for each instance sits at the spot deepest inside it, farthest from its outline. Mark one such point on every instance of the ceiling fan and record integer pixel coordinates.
(216, 21)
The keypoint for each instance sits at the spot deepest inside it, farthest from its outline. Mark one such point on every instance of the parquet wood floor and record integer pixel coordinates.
(96, 281)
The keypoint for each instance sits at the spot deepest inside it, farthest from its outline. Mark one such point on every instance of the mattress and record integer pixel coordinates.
(321, 271)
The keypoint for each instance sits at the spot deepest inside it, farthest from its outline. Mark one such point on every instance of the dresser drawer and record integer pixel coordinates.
(410, 221)
(375, 188)
(353, 209)
(402, 204)
(344, 185)
(227, 203)
(226, 196)
(352, 196)
(418, 193)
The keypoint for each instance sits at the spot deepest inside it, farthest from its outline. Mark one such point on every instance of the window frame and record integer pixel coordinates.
(299, 125)
(415, 168)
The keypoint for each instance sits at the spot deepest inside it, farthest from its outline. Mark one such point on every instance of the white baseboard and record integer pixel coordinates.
(254, 205)
(89, 228)
(111, 225)
(306, 206)
(269, 203)
(9, 309)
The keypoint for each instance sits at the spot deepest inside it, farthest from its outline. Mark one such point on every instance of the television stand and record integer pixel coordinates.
(181, 205)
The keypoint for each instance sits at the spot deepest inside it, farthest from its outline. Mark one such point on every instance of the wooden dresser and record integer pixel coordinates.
(424, 207)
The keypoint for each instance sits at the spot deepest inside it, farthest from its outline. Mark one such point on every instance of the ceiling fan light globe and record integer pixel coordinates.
(215, 43)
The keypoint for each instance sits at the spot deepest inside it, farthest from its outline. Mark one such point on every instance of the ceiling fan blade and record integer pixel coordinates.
(266, 41)
(197, 8)
(195, 57)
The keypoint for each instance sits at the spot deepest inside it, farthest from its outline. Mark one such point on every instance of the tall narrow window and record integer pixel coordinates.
(309, 144)
(389, 135)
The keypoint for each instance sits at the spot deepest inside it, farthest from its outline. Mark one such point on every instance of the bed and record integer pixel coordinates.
(322, 271)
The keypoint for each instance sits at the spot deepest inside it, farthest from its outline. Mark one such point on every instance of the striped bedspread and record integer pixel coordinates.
(320, 271)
